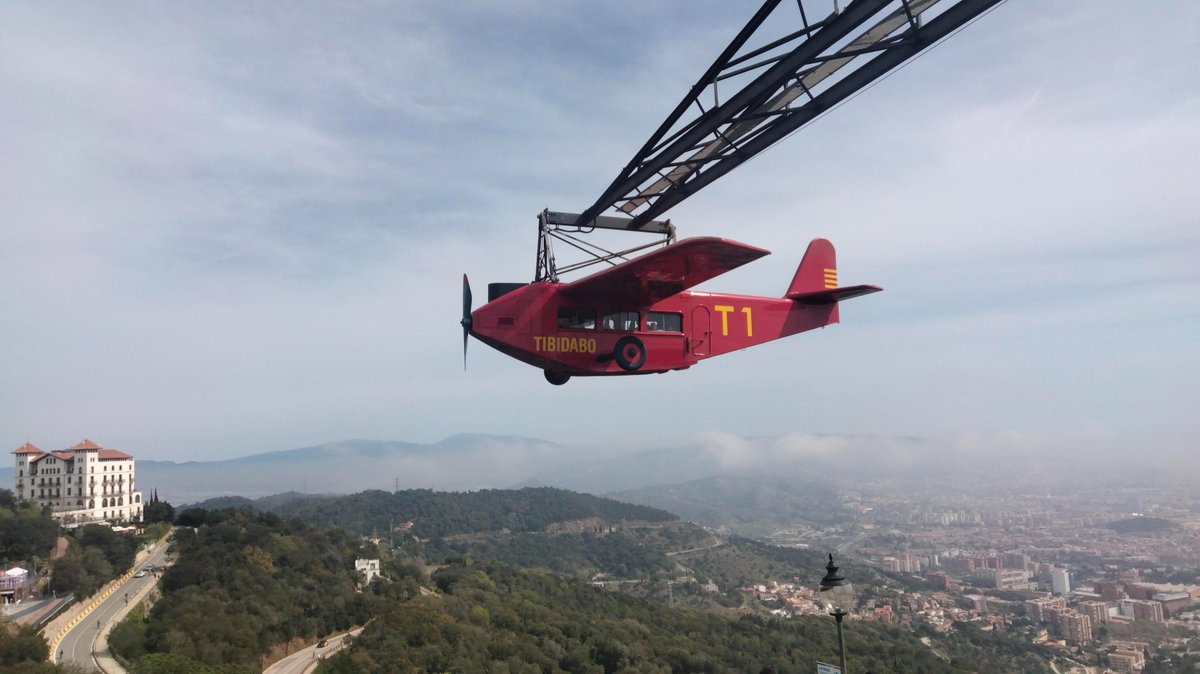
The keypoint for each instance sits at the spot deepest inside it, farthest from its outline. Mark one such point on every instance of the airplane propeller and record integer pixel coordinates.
(466, 317)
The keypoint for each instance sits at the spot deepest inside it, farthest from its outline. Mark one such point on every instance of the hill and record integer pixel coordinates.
(493, 617)
(442, 514)
(244, 585)
(1141, 525)
(561, 531)
(459, 462)
(287, 582)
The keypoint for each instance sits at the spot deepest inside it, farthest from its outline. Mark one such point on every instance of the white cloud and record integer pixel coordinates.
(228, 228)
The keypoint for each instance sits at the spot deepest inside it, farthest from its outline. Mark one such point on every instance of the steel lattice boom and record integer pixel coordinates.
(781, 71)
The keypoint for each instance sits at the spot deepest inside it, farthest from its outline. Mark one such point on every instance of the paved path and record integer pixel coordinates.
(81, 637)
(35, 612)
(305, 660)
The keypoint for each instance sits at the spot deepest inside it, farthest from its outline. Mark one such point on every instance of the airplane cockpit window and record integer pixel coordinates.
(579, 319)
(658, 321)
(624, 321)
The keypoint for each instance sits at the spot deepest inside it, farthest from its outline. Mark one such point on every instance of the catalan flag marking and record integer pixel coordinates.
(830, 278)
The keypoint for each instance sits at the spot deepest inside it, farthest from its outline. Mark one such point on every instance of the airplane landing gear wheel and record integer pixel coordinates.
(630, 353)
(556, 378)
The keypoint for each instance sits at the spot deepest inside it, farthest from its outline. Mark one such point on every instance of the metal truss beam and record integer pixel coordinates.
(785, 82)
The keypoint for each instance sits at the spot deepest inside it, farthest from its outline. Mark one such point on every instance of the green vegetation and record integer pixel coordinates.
(635, 552)
(156, 510)
(21, 644)
(991, 652)
(1141, 525)
(172, 663)
(435, 514)
(492, 617)
(741, 562)
(243, 585)
(247, 588)
(25, 529)
(95, 556)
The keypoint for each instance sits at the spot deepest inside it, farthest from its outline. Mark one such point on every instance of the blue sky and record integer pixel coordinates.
(237, 227)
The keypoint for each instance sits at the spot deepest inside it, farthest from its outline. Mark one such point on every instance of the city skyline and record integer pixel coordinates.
(225, 232)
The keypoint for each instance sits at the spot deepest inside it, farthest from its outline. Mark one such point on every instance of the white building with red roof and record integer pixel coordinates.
(85, 483)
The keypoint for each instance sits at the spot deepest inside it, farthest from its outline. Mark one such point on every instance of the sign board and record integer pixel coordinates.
(823, 668)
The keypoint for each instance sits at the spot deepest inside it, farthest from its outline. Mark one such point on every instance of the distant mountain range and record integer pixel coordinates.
(473, 462)
(716, 478)
(458, 463)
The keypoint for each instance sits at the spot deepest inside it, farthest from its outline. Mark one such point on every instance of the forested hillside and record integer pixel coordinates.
(25, 530)
(628, 553)
(243, 585)
(249, 586)
(440, 514)
(491, 617)
(1141, 525)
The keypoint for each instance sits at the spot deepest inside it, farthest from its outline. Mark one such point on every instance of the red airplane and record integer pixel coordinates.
(640, 316)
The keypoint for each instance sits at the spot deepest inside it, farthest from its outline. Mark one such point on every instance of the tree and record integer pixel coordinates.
(25, 530)
(158, 511)
(69, 575)
(21, 643)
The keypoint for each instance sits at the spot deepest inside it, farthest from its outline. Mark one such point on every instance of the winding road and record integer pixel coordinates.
(75, 647)
(306, 659)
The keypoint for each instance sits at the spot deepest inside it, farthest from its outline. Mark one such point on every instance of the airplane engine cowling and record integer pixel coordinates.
(500, 289)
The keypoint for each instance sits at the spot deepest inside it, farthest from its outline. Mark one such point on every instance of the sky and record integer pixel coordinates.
(229, 228)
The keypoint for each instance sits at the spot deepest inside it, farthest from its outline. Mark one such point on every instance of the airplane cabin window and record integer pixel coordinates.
(664, 322)
(624, 321)
(579, 319)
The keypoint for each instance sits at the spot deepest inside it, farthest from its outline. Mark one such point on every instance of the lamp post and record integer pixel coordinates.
(837, 597)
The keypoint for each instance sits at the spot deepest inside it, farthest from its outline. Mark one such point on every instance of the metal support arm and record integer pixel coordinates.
(777, 85)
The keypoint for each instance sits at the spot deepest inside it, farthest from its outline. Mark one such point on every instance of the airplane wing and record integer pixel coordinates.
(667, 271)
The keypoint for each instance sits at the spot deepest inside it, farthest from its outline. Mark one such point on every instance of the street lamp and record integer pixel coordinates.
(837, 597)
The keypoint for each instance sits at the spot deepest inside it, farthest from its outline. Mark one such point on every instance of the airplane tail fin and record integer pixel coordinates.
(816, 279)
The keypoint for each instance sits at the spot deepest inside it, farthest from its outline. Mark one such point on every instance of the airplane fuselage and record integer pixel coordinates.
(536, 324)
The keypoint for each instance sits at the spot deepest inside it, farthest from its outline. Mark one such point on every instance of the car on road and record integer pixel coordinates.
(140, 574)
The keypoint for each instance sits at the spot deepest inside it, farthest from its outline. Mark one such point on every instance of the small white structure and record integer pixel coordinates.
(12, 584)
(367, 569)
(1060, 581)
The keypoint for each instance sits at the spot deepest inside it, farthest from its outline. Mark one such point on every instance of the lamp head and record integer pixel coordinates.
(836, 593)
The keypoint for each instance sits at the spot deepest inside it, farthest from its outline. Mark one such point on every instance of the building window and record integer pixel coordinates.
(623, 321)
(577, 319)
